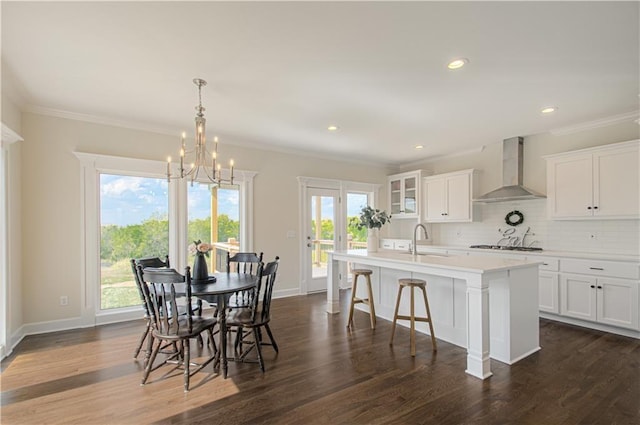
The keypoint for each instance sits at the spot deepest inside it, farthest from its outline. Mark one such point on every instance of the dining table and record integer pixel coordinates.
(217, 289)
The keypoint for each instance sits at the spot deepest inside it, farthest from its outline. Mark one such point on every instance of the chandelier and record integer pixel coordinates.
(205, 162)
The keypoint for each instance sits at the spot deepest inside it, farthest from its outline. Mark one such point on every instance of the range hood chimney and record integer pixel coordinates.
(512, 188)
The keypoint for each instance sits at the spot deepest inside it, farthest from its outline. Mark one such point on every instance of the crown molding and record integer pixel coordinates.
(95, 119)
(603, 122)
(9, 136)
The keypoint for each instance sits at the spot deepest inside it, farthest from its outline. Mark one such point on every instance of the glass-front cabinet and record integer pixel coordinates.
(404, 192)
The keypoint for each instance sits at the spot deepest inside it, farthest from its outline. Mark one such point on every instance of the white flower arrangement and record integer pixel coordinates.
(199, 247)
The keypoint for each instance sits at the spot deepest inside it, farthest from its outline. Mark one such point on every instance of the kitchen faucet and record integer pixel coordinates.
(414, 248)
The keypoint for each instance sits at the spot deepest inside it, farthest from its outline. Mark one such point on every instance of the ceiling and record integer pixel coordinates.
(280, 73)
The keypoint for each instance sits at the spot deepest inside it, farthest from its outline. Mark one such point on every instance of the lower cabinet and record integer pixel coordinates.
(548, 292)
(605, 300)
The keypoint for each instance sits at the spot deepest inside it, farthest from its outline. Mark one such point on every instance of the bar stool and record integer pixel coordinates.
(367, 301)
(412, 284)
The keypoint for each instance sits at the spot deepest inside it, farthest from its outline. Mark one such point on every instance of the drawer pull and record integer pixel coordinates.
(545, 264)
(596, 268)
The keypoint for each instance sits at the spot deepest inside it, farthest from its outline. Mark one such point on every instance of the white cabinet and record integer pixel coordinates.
(396, 244)
(586, 292)
(404, 192)
(448, 197)
(548, 284)
(596, 183)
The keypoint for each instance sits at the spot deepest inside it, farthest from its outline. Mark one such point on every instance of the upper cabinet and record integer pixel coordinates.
(447, 197)
(595, 183)
(404, 192)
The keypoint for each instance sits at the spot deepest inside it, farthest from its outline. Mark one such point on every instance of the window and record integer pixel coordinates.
(134, 223)
(147, 216)
(214, 216)
(356, 238)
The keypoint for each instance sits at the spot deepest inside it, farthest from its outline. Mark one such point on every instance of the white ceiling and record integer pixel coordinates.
(280, 73)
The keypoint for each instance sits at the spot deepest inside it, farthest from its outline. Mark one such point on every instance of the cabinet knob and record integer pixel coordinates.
(595, 208)
(599, 287)
(588, 208)
(593, 286)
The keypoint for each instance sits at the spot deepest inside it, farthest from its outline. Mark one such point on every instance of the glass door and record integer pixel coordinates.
(322, 207)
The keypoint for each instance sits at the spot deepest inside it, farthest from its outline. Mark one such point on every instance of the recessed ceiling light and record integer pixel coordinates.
(458, 63)
(549, 109)
(419, 146)
(332, 128)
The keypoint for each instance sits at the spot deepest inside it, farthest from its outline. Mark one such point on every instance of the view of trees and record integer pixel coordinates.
(357, 235)
(151, 237)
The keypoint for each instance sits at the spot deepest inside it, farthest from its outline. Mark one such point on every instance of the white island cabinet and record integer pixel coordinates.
(489, 305)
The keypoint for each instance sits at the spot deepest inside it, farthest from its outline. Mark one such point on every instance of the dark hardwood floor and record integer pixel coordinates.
(324, 374)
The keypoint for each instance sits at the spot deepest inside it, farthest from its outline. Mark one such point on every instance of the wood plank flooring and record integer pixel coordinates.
(324, 374)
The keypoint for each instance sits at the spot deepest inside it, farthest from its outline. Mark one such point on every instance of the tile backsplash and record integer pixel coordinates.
(611, 236)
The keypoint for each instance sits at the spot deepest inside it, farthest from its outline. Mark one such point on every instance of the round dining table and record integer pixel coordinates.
(217, 289)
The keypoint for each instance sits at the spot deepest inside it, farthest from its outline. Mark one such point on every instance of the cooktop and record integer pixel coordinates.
(507, 248)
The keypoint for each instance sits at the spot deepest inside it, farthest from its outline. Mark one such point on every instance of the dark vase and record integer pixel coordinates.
(200, 271)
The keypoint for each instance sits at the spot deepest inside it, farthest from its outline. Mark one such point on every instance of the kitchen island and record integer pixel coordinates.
(487, 305)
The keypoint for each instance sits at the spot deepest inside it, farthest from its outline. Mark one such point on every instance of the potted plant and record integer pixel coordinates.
(373, 220)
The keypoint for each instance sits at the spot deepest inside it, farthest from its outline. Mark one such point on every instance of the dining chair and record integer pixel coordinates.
(145, 262)
(250, 320)
(168, 325)
(247, 263)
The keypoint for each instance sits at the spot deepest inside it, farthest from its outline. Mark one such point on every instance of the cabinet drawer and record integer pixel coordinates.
(601, 268)
(386, 244)
(402, 246)
(550, 264)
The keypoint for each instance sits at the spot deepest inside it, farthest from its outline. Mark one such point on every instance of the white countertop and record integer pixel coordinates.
(544, 253)
(467, 263)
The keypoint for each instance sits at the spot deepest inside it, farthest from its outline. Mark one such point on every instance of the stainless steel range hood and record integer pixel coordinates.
(512, 188)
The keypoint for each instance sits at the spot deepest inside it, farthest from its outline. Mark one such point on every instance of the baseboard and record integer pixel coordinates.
(591, 325)
(285, 293)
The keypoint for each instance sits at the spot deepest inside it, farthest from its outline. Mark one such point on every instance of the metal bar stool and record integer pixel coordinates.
(413, 283)
(367, 301)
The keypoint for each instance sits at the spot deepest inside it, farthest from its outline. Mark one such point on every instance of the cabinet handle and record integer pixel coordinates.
(593, 286)
(545, 264)
(596, 268)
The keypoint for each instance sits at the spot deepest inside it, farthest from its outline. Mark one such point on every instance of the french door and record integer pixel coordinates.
(321, 235)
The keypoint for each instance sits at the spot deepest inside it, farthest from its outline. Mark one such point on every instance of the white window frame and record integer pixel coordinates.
(92, 165)
(7, 138)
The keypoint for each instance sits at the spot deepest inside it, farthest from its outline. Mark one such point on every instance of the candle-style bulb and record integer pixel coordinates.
(231, 163)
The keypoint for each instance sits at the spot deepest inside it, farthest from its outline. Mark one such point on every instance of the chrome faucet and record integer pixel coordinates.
(414, 248)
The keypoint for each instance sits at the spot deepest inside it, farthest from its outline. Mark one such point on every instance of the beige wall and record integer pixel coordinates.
(51, 228)
(489, 161)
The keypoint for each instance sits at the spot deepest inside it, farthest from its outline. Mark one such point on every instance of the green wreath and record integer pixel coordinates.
(514, 218)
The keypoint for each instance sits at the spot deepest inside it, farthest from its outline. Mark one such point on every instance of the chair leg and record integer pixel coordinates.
(147, 329)
(258, 349)
(433, 334)
(185, 345)
(395, 315)
(273, 341)
(147, 355)
(149, 365)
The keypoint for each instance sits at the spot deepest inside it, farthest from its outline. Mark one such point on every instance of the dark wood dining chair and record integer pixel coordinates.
(250, 320)
(145, 262)
(168, 325)
(246, 263)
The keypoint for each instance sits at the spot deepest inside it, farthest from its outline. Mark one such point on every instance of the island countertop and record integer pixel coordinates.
(465, 263)
(509, 334)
